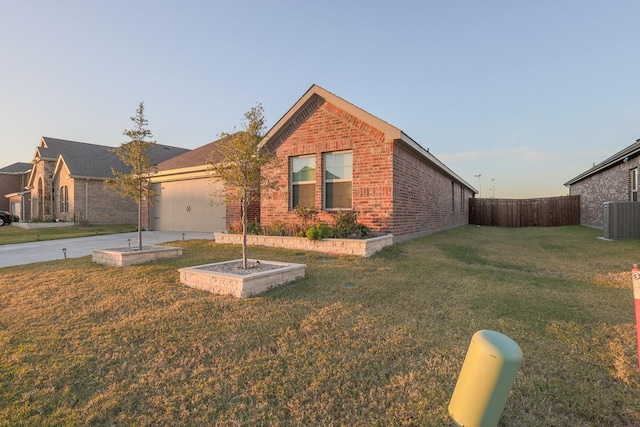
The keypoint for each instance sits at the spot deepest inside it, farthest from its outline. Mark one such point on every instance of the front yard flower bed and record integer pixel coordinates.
(358, 247)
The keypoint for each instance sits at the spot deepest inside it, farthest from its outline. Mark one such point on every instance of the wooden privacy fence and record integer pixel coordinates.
(546, 212)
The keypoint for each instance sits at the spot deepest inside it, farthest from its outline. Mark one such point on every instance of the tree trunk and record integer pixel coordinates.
(140, 218)
(244, 232)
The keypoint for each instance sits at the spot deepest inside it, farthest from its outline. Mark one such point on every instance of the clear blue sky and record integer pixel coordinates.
(528, 93)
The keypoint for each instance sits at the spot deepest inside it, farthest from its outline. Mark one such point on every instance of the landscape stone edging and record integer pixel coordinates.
(240, 285)
(118, 258)
(359, 247)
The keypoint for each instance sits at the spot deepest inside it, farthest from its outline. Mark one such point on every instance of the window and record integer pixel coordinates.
(338, 171)
(303, 181)
(461, 198)
(453, 196)
(64, 199)
(634, 185)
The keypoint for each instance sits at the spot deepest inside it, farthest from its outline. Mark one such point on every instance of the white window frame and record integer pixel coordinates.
(326, 181)
(293, 183)
(634, 185)
(64, 199)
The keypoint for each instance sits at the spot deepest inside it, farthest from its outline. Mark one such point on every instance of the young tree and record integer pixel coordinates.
(133, 153)
(242, 166)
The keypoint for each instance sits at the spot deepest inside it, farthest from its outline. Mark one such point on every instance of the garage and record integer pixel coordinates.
(188, 205)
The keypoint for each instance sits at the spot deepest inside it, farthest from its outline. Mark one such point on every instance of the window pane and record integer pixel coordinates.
(303, 169)
(338, 195)
(304, 195)
(338, 166)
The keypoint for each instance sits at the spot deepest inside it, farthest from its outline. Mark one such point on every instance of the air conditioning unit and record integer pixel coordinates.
(621, 220)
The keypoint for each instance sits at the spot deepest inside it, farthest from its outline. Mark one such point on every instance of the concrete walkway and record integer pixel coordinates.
(49, 250)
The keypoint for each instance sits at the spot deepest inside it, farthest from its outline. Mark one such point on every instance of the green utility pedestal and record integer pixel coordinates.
(487, 375)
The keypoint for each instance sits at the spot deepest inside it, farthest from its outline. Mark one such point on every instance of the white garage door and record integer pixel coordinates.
(187, 206)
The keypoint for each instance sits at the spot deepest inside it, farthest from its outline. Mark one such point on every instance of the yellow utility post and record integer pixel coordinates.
(487, 375)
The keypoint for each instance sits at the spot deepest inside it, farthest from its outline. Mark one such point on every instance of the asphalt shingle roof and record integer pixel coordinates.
(95, 161)
(631, 150)
(193, 158)
(16, 168)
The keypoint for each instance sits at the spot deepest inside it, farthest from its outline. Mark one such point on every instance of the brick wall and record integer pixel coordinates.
(610, 185)
(10, 183)
(425, 200)
(104, 206)
(41, 195)
(394, 189)
(327, 129)
(234, 213)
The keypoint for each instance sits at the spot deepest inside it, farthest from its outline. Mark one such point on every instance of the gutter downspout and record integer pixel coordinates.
(86, 200)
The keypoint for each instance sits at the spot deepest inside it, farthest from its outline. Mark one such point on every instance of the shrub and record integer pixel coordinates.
(319, 231)
(347, 226)
(235, 228)
(276, 228)
(252, 227)
(307, 215)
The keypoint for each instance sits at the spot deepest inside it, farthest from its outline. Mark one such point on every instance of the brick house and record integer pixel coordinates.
(363, 164)
(188, 199)
(67, 182)
(615, 179)
(13, 181)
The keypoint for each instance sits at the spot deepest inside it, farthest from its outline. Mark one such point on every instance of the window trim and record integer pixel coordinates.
(634, 185)
(64, 199)
(292, 183)
(325, 181)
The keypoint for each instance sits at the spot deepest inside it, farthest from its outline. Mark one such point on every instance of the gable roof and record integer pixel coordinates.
(620, 157)
(293, 118)
(196, 157)
(85, 160)
(16, 168)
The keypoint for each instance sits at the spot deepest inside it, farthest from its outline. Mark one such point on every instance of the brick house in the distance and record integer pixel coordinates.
(334, 155)
(615, 179)
(67, 182)
(15, 199)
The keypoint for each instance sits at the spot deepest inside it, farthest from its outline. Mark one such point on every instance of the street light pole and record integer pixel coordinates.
(479, 185)
(493, 188)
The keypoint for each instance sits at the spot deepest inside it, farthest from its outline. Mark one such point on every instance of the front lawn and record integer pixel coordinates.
(376, 341)
(13, 234)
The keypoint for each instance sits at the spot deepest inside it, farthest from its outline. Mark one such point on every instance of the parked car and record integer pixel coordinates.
(7, 218)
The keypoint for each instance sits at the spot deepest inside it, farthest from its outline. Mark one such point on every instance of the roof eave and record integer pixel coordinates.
(433, 159)
(619, 157)
(391, 132)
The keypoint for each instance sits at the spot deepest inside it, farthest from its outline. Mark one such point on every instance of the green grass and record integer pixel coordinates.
(15, 234)
(376, 341)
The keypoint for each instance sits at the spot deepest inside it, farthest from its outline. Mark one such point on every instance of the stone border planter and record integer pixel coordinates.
(205, 277)
(34, 225)
(359, 247)
(124, 257)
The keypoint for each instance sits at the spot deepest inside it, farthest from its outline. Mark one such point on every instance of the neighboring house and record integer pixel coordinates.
(612, 180)
(335, 156)
(187, 198)
(67, 182)
(13, 181)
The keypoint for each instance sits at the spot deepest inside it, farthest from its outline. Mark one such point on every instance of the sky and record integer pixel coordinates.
(516, 97)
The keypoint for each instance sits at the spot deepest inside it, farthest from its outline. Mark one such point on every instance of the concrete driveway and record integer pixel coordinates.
(49, 250)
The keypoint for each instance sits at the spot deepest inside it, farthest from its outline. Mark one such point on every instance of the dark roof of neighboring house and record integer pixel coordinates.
(193, 158)
(16, 168)
(95, 161)
(621, 156)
